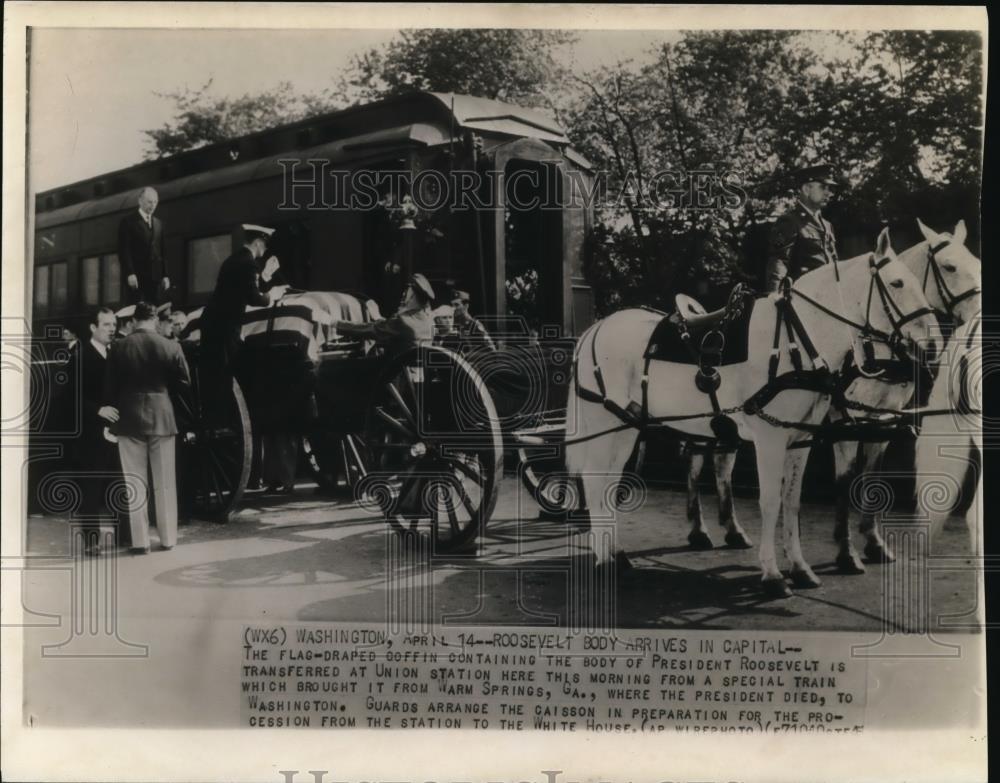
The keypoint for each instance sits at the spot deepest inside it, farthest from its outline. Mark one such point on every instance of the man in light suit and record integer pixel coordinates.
(142, 370)
(140, 251)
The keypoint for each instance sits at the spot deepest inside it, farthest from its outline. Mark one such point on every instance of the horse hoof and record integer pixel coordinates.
(775, 588)
(699, 540)
(622, 562)
(849, 564)
(805, 579)
(876, 553)
(738, 540)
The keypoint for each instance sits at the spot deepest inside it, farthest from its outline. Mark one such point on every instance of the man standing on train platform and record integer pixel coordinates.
(140, 251)
(237, 287)
(142, 371)
(411, 325)
(802, 239)
(94, 453)
(470, 329)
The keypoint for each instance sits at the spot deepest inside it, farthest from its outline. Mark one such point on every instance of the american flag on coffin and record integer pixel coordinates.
(301, 319)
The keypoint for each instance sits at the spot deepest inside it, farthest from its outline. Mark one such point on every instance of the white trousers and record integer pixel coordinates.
(155, 454)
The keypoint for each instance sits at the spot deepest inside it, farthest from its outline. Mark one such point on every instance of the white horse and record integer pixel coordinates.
(950, 276)
(945, 447)
(947, 439)
(874, 290)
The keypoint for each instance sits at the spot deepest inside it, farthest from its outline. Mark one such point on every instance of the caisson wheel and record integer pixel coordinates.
(214, 447)
(429, 451)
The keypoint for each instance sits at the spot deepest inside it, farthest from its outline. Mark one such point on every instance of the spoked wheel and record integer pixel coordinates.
(541, 464)
(542, 468)
(331, 455)
(323, 451)
(429, 453)
(215, 448)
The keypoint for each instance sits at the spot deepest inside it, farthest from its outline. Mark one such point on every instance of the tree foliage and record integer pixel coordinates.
(201, 119)
(517, 66)
(899, 113)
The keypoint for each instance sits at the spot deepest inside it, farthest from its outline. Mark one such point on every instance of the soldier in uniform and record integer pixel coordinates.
(471, 329)
(802, 239)
(412, 324)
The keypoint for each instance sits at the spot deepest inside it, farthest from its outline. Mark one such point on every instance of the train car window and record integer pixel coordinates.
(205, 256)
(60, 287)
(90, 282)
(111, 279)
(41, 289)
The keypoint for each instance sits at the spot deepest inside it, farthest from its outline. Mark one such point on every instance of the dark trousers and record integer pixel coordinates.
(102, 497)
(149, 291)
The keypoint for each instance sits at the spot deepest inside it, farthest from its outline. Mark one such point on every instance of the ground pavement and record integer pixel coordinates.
(308, 557)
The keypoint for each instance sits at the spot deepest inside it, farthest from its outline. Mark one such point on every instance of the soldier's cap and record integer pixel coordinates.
(816, 172)
(422, 284)
(163, 311)
(252, 232)
(460, 296)
(126, 312)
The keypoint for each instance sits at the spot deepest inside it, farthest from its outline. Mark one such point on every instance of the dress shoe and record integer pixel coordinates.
(165, 548)
(139, 550)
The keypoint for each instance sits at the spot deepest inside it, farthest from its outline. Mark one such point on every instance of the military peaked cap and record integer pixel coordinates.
(817, 172)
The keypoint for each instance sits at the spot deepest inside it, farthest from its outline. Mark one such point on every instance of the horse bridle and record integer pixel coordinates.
(950, 300)
(890, 307)
(896, 317)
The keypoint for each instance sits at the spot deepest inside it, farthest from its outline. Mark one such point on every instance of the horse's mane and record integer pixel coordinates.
(827, 270)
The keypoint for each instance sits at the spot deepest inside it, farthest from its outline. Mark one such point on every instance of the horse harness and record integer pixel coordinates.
(949, 299)
(818, 378)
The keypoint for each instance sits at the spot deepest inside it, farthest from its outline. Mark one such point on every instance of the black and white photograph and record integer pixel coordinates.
(603, 375)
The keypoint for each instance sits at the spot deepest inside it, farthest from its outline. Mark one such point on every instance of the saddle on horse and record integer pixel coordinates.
(690, 335)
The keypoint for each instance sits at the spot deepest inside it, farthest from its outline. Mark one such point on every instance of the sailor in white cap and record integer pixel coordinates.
(236, 288)
(126, 320)
(163, 326)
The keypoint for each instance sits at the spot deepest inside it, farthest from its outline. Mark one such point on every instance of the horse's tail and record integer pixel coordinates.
(946, 449)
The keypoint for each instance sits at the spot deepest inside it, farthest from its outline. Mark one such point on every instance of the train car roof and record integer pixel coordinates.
(412, 120)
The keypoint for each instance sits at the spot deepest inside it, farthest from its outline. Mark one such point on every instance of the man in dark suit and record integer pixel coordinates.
(143, 369)
(802, 239)
(140, 251)
(236, 288)
(94, 452)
